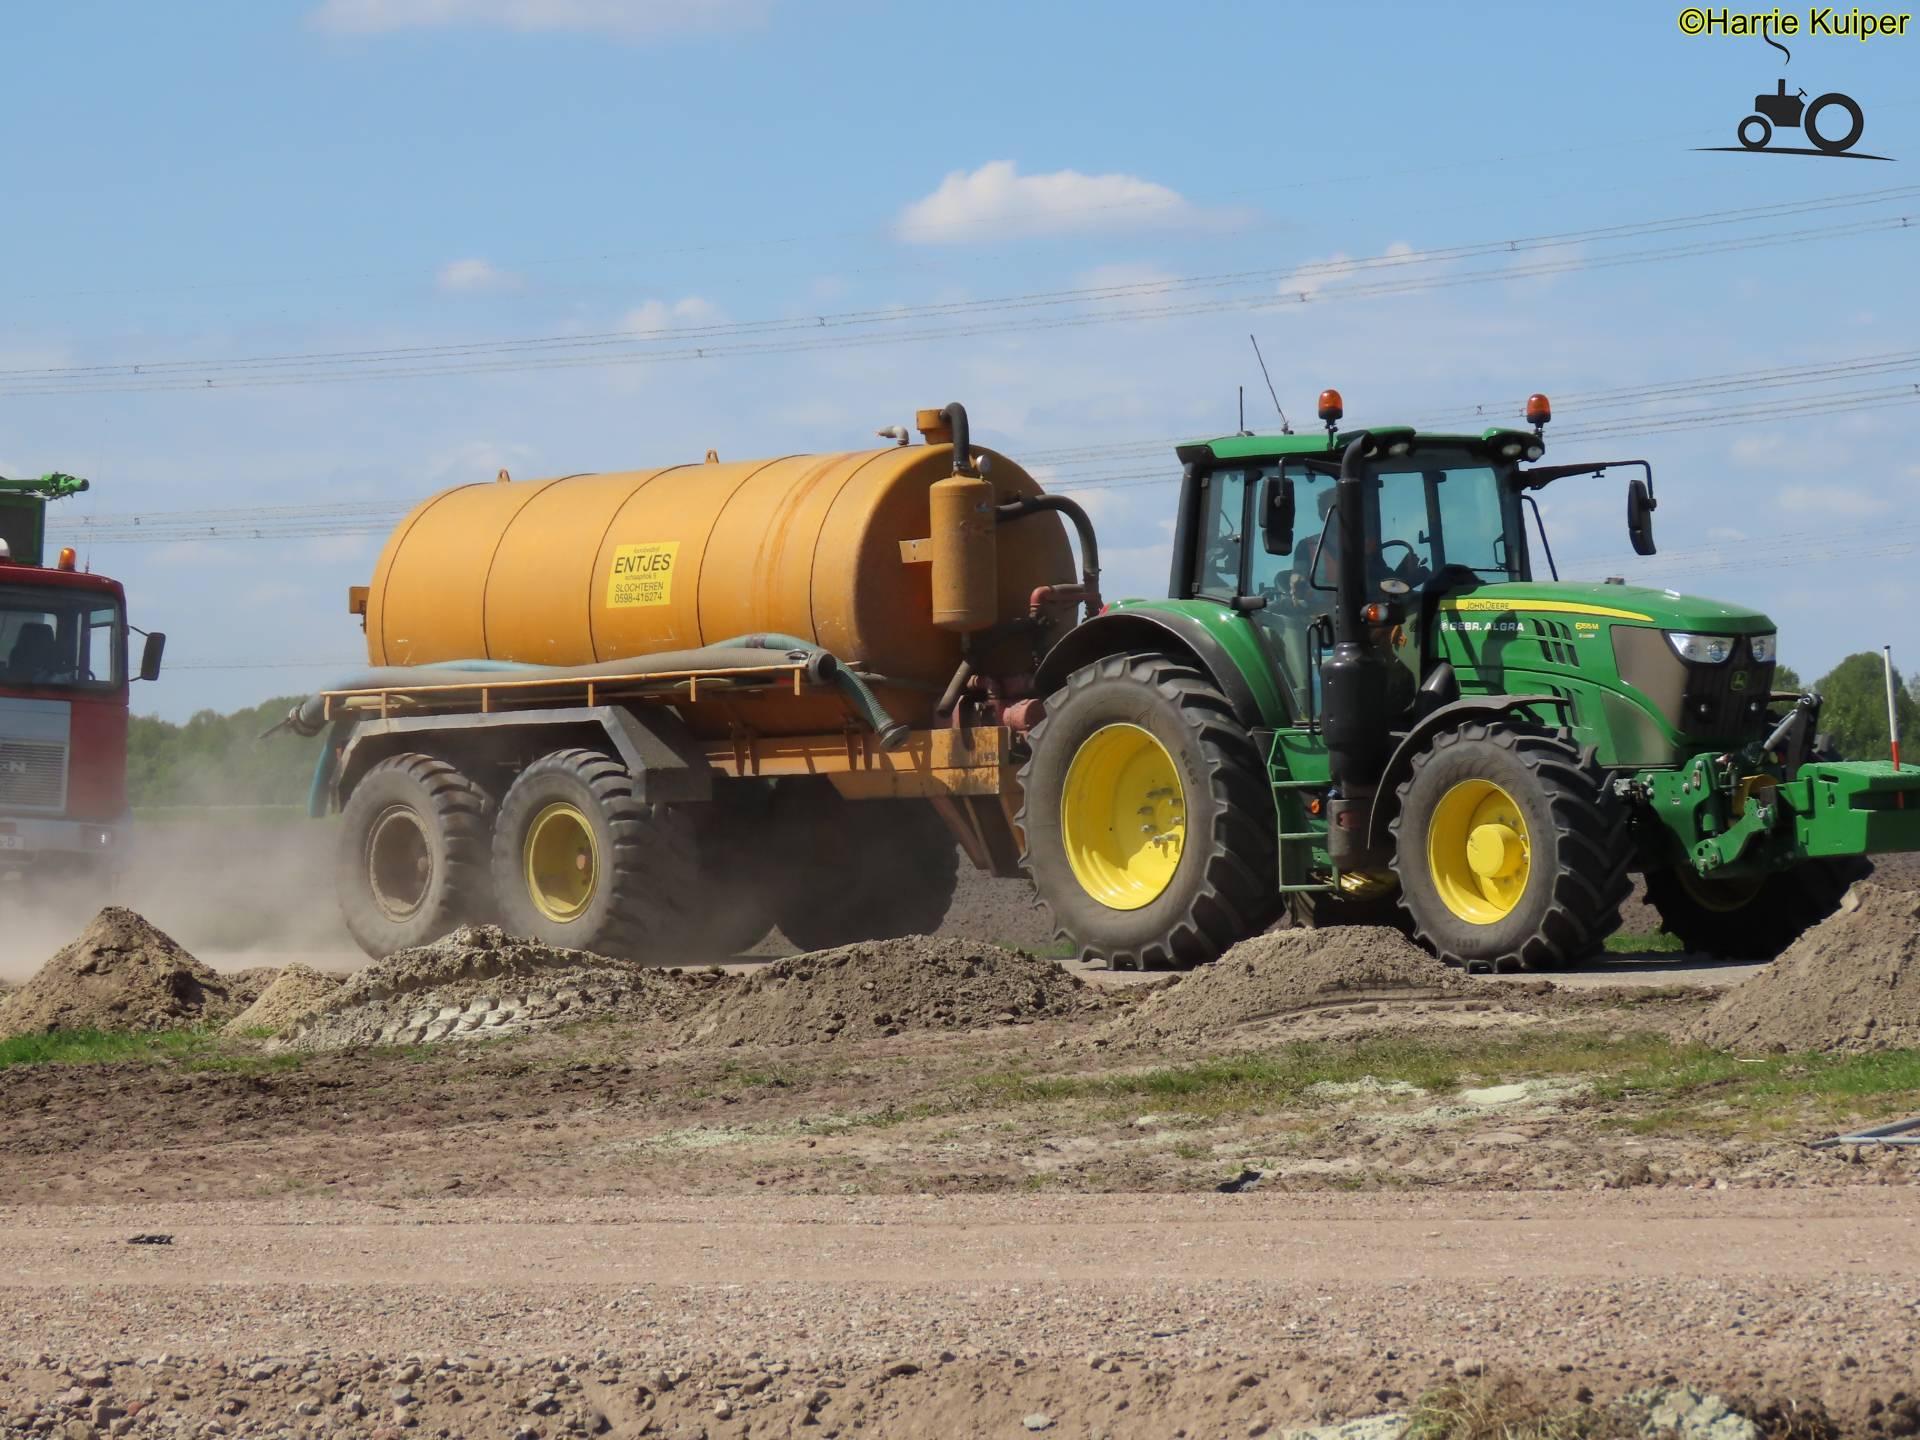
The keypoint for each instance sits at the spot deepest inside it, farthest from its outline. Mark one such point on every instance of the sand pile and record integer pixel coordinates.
(120, 974)
(881, 987)
(481, 981)
(1285, 972)
(1852, 982)
(295, 993)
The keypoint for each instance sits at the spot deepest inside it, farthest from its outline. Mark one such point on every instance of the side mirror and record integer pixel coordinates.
(1640, 508)
(150, 656)
(1276, 516)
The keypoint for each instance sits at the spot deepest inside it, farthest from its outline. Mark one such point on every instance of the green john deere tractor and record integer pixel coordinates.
(1363, 704)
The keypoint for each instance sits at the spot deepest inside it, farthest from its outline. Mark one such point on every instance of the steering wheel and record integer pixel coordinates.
(1406, 568)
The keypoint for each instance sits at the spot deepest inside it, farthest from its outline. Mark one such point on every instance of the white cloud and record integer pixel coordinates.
(1845, 502)
(1311, 277)
(997, 201)
(471, 276)
(689, 310)
(631, 19)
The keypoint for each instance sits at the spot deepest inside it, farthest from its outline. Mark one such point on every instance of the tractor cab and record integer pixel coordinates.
(1437, 514)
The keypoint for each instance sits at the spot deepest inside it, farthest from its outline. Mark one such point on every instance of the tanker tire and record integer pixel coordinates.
(643, 903)
(852, 871)
(411, 863)
(1579, 847)
(1225, 886)
(1785, 905)
(734, 899)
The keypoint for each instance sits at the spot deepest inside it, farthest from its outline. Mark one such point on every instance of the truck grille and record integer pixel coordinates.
(33, 775)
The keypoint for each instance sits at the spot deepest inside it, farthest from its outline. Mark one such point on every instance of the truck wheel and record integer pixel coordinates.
(1510, 845)
(579, 861)
(1148, 816)
(852, 871)
(412, 858)
(1750, 919)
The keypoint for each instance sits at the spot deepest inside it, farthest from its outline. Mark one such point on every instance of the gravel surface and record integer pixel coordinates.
(1324, 1301)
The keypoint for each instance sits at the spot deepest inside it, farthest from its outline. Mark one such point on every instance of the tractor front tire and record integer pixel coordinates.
(1752, 919)
(412, 858)
(582, 863)
(1148, 816)
(1511, 847)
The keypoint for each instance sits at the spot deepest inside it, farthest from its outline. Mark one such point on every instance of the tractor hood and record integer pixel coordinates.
(1623, 604)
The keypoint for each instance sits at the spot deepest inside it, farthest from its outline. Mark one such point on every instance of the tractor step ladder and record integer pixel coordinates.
(1293, 876)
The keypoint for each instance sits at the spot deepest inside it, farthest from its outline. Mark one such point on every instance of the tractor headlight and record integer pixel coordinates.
(1701, 649)
(1761, 648)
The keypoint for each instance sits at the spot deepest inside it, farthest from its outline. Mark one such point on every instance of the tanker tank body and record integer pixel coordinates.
(656, 713)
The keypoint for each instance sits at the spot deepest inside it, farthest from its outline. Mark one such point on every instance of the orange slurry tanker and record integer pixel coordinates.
(659, 712)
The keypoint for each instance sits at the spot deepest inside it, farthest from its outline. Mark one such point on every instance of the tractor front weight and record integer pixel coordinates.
(1731, 819)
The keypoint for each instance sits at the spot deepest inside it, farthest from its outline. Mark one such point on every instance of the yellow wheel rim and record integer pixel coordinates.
(562, 862)
(1479, 852)
(1723, 897)
(1123, 817)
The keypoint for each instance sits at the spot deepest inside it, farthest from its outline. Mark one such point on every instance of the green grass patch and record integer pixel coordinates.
(1259, 1080)
(1645, 942)
(191, 1049)
(1744, 1092)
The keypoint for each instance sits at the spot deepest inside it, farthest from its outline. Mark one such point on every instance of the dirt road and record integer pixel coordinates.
(1329, 1302)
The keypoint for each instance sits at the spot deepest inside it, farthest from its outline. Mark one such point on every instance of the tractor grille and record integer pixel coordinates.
(33, 775)
(1556, 643)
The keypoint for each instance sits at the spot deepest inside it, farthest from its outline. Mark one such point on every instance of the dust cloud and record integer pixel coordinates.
(237, 888)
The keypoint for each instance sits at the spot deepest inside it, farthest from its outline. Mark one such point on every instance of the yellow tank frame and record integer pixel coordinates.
(932, 764)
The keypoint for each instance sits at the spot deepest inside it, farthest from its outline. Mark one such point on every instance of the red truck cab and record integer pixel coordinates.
(63, 718)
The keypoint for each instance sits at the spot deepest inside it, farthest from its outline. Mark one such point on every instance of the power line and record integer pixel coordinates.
(745, 338)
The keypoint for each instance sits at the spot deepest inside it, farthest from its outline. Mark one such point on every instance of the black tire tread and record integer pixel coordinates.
(462, 812)
(1591, 881)
(1238, 895)
(652, 872)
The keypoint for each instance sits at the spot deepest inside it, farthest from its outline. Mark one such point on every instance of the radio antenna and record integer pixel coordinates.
(1285, 428)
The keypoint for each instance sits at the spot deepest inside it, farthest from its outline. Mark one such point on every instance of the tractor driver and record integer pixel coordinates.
(1310, 573)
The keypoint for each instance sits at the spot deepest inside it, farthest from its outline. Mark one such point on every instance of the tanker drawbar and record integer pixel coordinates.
(658, 712)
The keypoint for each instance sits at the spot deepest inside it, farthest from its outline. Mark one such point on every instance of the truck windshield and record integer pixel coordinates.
(60, 639)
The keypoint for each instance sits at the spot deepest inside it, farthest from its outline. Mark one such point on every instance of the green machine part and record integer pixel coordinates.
(23, 510)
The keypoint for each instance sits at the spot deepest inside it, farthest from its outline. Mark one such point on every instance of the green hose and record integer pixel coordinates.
(893, 733)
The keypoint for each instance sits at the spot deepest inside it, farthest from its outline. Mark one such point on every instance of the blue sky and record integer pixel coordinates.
(200, 185)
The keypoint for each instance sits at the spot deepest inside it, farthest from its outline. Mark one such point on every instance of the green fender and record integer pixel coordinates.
(1212, 637)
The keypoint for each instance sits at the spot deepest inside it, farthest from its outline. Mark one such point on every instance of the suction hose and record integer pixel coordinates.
(309, 717)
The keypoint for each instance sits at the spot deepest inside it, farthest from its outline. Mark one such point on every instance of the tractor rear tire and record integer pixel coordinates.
(1750, 920)
(847, 871)
(412, 858)
(582, 863)
(1146, 745)
(1511, 846)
